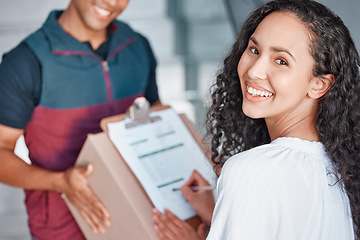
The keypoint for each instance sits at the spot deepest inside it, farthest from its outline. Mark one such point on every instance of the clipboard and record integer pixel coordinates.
(143, 113)
(127, 201)
(139, 113)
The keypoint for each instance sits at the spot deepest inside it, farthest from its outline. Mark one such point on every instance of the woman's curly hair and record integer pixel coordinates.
(338, 117)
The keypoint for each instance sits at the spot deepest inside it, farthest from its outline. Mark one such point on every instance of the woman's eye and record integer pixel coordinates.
(254, 50)
(281, 62)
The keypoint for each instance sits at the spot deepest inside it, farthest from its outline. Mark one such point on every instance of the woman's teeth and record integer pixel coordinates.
(102, 11)
(256, 92)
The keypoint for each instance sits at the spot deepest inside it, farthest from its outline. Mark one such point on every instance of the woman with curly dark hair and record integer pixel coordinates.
(285, 129)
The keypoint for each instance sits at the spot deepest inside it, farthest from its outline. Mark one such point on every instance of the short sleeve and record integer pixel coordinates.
(20, 86)
(151, 92)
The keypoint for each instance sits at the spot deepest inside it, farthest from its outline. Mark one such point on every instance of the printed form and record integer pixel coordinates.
(162, 155)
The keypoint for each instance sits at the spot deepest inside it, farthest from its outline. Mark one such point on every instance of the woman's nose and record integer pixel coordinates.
(258, 68)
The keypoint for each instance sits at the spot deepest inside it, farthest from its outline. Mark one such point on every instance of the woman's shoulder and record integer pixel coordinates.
(284, 156)
(280, 149)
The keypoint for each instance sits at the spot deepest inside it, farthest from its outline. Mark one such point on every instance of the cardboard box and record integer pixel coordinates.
(119, 190)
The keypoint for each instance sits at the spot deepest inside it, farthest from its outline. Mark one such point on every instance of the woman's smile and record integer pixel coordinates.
(255, 92)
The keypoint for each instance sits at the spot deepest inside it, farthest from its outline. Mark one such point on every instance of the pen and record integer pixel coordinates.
(197, 188)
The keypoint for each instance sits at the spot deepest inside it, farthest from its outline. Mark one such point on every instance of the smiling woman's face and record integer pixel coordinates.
(276, 68)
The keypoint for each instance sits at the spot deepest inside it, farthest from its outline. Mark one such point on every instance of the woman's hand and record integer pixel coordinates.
(202, 201)
(169, 227)
(77, 190)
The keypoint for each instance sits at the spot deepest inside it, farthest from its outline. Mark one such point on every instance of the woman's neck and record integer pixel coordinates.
(302, 125)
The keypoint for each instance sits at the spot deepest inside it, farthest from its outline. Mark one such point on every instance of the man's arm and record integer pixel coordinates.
(15, 171)
(72, 182)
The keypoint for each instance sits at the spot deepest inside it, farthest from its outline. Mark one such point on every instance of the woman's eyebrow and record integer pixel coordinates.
(283, 50)
(253, 40)
(274, 49)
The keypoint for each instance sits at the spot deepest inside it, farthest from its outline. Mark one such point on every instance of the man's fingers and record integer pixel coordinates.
(103, 213)
(89, 222)
(97, 222)
(93, 220)
(89, 169)
(94, 209)
(97, 208)
(80, 195)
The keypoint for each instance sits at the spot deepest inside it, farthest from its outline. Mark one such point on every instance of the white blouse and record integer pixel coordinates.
(283, 190)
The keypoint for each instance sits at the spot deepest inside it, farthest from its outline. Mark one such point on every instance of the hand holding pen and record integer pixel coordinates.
(201, 201)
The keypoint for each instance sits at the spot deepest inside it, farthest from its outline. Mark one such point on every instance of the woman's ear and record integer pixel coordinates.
(320, 85)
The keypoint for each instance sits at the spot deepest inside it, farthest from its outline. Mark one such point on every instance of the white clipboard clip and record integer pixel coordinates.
(139, 113)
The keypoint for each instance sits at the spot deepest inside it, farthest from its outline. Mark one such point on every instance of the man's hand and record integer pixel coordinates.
(79, 193)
